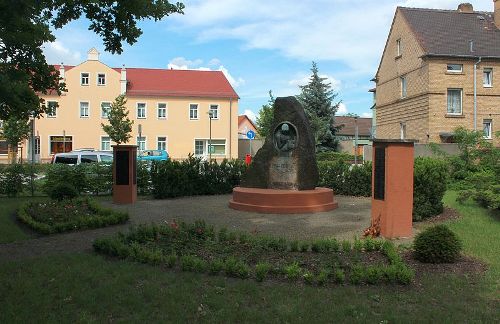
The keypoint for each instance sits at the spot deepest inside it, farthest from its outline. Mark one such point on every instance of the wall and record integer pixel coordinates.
(244, 147)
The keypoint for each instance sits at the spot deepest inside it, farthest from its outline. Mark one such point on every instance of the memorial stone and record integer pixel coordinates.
(288, 158)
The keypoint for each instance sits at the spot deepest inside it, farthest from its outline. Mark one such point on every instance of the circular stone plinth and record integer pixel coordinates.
(275, 201)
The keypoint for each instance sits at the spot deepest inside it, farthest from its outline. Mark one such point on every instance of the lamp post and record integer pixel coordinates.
(356, 141)
(139, 130)
(64, 141)
(210, 115)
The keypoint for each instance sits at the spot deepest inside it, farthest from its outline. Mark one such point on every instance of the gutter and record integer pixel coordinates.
(475, 93)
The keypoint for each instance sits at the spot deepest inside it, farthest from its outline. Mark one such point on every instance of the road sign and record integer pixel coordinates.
(251, 134)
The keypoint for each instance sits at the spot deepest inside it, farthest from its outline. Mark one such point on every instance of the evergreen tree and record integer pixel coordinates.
(265, 119)
(120, 125)
(317, 98)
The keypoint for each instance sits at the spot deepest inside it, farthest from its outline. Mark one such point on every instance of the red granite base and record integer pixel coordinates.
(274, 201)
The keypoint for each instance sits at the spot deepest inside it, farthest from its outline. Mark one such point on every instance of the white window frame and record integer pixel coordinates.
(454, 71)
(145, 143)
(54, 115)
(461, 101)
(197, 111)
(217, 110)
(80, 109)
(101, 142)
(158, 142)
(105, 102)
(398, 47)
(145, 110)
(404, 86)
(81, 79)
(158, 110)
(490, 72)
(488, 135)
(97, 79)
(206, 146)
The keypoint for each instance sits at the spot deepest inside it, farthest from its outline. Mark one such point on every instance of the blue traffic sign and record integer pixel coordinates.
(251, 134)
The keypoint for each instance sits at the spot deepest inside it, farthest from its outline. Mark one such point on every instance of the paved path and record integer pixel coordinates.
(352, 216)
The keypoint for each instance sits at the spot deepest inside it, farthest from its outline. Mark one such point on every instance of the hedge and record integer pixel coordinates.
(346, 179)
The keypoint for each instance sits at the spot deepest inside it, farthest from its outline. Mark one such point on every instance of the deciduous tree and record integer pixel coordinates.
(265, 119)
(120, 125)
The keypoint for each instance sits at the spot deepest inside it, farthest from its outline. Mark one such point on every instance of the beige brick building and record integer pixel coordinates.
(425, 80)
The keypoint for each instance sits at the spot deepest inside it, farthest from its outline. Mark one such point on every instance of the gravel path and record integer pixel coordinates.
(347, 221)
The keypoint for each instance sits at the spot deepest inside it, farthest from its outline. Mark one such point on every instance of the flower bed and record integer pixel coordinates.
(199, 248)
(68, 215)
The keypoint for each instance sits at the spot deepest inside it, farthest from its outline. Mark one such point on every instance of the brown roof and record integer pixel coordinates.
(349, 126)
(242, 118)
(449, 32)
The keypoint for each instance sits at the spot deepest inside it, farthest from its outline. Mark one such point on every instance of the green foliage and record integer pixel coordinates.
(292, 271)
(323, 276)
(346, 246)
(13, 179)
(265, 118)
(120, 126)
(143, 177)
(437, 244)
(317, 98)
(261, 271)
(215, 267)
(483, 188)
(62, 216)
(62, 191)
(194, 177)
(99, 177)
(27, 25)
(304, 246)
(308, 277)
(429, 186)
(236, 268)
(334, 156)
(62, 173)
(15, 130)
(338, 276)
(294, 246)
(346, 179)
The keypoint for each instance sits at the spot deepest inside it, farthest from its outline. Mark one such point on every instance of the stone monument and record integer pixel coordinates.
(283, 175)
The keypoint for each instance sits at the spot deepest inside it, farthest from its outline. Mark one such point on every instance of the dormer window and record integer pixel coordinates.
(454, 68)
(101, 79)
(84, 77)
(398, 47)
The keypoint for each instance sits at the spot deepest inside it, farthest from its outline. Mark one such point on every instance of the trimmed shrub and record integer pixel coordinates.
(58, 173)
(429, 186)
(13, 179)
(62, 191)
(437, 244)
(346, 179)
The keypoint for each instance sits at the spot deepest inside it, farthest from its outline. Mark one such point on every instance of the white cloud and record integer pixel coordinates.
(342, 109)
(304, 79)
(250, 114)
(367, 115)
(57, 52)
(181, 63)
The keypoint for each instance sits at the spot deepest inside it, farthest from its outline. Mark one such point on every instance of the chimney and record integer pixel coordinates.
(61, 72)
(123, 80)
(497, 13)
(93, 55)
(465, 7)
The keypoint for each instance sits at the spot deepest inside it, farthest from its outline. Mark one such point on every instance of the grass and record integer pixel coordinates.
(9, 229)
(93, 288)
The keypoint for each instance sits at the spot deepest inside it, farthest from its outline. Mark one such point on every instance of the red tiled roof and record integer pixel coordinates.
(349, 126)
(241, 118)
(178, 83)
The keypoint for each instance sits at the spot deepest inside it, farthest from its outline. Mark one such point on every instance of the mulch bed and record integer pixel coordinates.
(446, 215)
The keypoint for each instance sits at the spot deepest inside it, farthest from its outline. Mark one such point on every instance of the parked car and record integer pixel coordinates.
(82, 156)
(152, 155)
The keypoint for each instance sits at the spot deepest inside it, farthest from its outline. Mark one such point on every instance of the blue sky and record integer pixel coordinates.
(262, 45)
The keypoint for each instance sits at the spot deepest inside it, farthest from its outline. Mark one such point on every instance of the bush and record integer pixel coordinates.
(335, 156)
(261, 271)
(13, 179)
(437, 244)
(346, 179)
(429, 186)
(62, 191)
(74, 175)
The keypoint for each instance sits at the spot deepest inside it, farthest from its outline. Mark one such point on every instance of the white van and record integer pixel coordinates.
(82, 156)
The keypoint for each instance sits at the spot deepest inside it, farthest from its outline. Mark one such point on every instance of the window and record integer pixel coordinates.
(199, 147)
(398, 47)
(84, 78)
(101, 79)
(162, 110)
(105, 143)
(84, 109)
(141, 110)
(487, 128)
(218, 147)
(403, 87)
(88, 158)
(402, 130)
(488, 77)
(141, 143)
(162, 143)
(454, 101)
(51, 109)
(193, 111)
(214, 111)
(454, 68)
(105, 107)
(106, 158)
(67, 159)
(61, 144)
(4, 147)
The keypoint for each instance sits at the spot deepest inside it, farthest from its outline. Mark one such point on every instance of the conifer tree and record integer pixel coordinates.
(120, 125)
(317, 98)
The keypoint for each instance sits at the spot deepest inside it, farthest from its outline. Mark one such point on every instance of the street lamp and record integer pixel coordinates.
(210, 116)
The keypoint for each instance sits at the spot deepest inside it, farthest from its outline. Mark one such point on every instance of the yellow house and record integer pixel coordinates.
(170, 110)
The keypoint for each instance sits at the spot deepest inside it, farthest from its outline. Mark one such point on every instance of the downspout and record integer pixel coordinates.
(475, 93)
(230, 123)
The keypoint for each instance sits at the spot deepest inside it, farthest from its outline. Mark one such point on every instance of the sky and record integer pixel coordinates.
(262, 45)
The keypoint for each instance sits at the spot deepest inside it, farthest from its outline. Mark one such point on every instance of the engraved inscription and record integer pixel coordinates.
(283, 173)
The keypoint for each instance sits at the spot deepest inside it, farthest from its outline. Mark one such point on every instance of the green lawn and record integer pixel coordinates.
(9, 229)
(92, 288)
